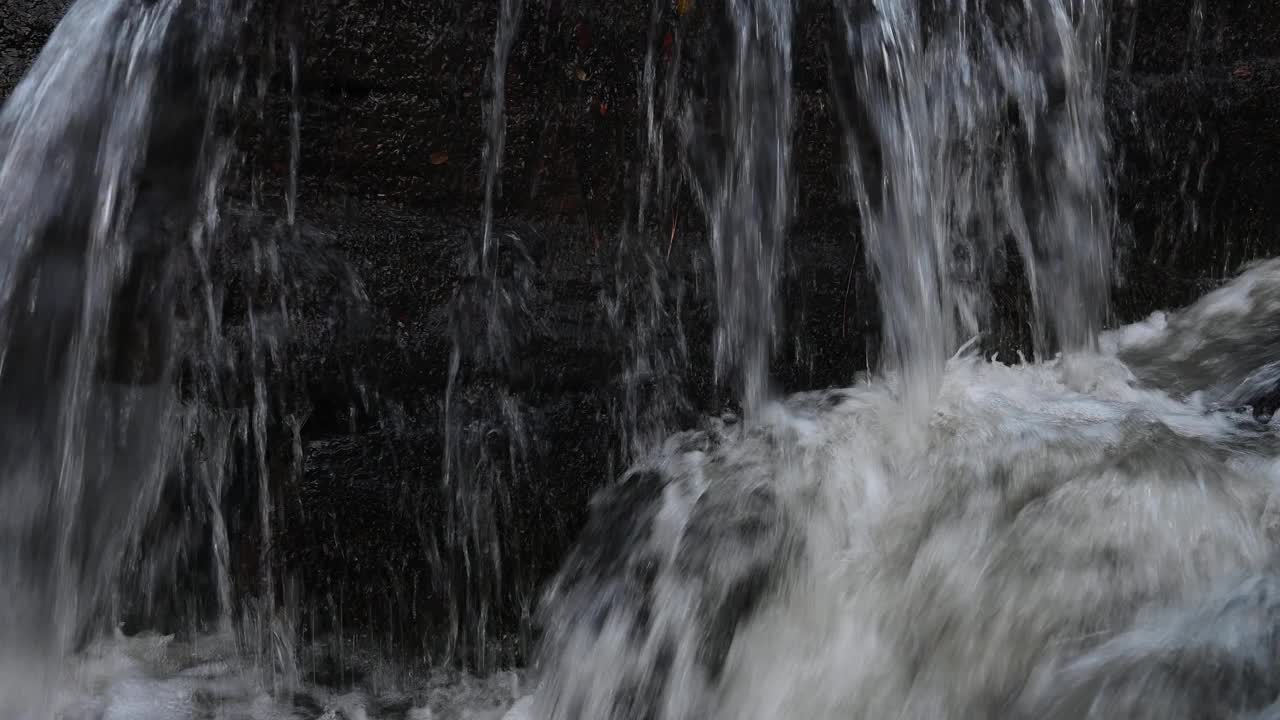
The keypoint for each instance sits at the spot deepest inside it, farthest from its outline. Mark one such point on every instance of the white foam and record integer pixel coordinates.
(1040, 509)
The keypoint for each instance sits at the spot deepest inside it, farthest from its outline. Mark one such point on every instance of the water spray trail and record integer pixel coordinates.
(748, 198)
(295, 137)
(472, 480)
(637, 309)
(651, 163)
(509, 12)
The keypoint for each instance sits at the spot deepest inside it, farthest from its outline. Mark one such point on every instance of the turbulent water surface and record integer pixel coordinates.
(1061, 539)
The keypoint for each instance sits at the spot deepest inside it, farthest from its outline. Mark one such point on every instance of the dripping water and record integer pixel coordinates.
(509, 12)
(642, 308)
(485, 437)
(745, 191)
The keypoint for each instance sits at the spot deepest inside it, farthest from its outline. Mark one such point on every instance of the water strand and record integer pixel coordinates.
(86, 330)
(484, 450)
(746, 192)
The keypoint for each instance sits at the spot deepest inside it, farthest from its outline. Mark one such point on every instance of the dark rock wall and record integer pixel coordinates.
(24, 26)
(391, 95)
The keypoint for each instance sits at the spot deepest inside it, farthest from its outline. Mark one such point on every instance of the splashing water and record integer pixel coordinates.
(1060, 536)
(1087, 536)
(1084, 537)
(1064, 539)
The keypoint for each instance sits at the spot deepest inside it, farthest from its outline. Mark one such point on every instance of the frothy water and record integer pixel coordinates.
(154, 677)
(1051, 519)
(1090, 534)
(957, 537)
(1063, 539)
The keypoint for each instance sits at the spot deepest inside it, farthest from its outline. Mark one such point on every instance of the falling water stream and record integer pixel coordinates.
(641, 307)
(747, 197)
(87, 414)
(477, 469)
(1089, 534)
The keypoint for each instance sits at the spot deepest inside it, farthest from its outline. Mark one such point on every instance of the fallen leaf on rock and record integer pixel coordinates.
(1242, 72)
(439, 157)
(683, 7)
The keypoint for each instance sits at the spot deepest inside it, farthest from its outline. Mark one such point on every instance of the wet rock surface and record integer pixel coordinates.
(391, 96)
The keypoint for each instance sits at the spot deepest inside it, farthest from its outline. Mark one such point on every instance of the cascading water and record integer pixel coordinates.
(1063, 539)
(89, 419)
(122, 384)
(941, 176)
(911, 109)
(745, 192)
(1087, 536)
(1056, 190)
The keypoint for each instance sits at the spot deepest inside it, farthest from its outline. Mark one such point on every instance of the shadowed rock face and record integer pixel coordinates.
(26, 27)
(390, 183)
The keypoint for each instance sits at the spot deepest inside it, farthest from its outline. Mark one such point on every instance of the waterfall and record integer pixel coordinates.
(941, 175)
(92, 426)
(1089, 533)
(954, 537)
(745, 192)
